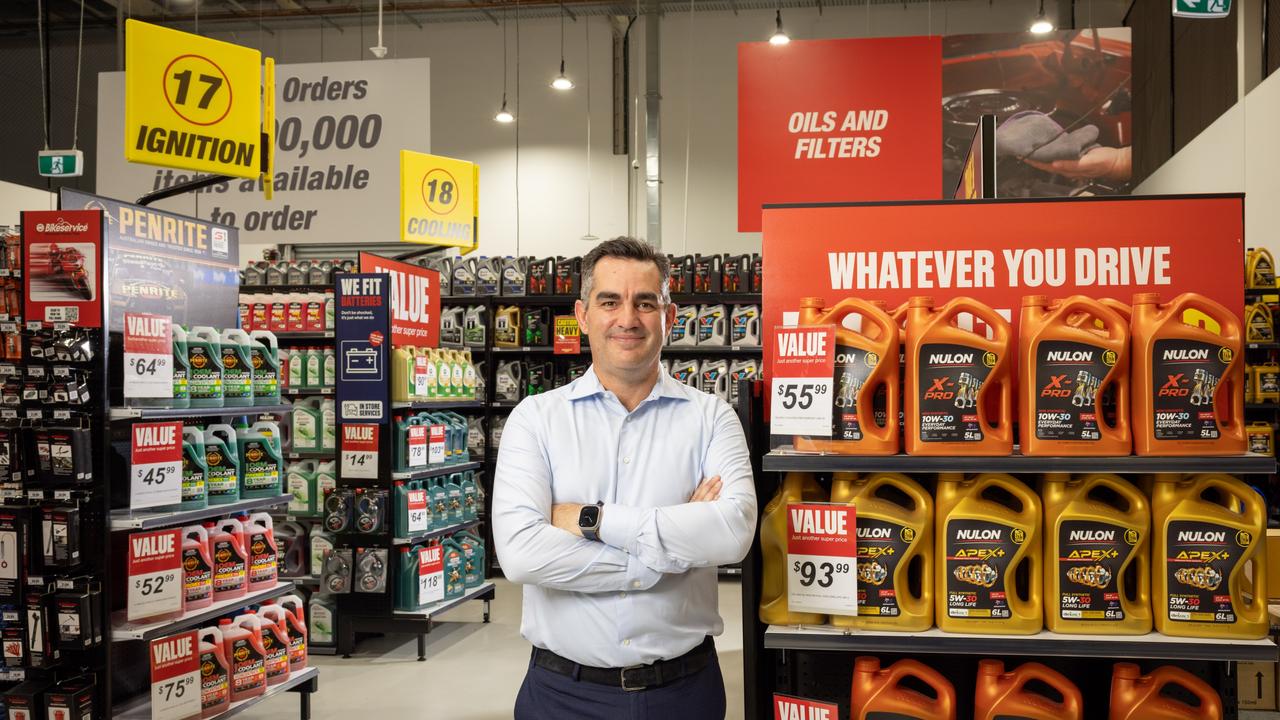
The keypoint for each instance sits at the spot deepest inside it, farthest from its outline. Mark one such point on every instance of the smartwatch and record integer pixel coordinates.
(589, 521)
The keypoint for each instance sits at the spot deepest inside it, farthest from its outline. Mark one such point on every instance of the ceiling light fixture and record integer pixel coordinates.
(504, 115)
(1041, 25)
(780, 36)
(562, 82)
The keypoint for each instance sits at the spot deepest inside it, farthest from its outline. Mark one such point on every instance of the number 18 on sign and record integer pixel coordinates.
(803, 368)
(822, 572)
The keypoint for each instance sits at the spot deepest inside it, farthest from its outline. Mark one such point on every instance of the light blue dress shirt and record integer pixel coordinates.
(647, 591)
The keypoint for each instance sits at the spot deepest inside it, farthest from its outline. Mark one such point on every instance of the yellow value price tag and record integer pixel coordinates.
(192, 102)
(439, 200)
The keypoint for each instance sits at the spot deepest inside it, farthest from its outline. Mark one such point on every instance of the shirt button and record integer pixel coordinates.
(626, 461)
(626, 642)
(624, 595)
(635, 584)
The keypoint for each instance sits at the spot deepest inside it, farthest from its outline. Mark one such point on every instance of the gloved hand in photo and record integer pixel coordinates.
(1033, 135)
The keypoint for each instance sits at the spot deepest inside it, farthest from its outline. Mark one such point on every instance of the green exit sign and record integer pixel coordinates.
(61, 163)
(1201, 8)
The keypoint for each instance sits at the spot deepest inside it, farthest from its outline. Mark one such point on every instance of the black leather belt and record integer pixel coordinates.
(636, 677)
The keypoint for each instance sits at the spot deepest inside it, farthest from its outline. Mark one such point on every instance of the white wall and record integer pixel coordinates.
(699, 93)
(1237, 153)
(16, 198)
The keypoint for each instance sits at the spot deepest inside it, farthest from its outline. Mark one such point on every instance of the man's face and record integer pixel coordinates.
(625, 318)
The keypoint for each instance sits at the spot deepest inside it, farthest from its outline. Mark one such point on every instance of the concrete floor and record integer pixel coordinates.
(472, 671)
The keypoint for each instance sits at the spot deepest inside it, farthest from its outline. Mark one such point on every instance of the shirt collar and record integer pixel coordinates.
(589, 385)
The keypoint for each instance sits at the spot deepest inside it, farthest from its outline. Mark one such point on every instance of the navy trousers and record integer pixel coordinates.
(546, 695)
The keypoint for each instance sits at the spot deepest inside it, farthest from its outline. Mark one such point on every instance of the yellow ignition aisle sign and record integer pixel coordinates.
(192, 102)
(439, 200)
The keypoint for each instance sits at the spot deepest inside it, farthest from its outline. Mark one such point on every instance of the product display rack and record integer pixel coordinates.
(91, 496)
(1268, 412)
(129, 640)
(816, 661)
(376, 612)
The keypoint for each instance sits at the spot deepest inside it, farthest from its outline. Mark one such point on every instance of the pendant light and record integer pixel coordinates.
(780, 36)
(562, 82)
(1041, 25)
(504, 115)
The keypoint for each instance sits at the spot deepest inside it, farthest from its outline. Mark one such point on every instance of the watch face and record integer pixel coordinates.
(589, 517)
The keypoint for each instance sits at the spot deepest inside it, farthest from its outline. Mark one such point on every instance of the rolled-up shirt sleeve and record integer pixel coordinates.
(531, 550)
(675, 538)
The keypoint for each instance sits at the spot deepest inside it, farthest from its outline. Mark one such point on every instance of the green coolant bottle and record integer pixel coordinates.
(181, 369)
(300, 482)
(204, 356)
(328, 425)
(237, 368)
(407, 579)
(260, 459)
(265, 356)
(195, 474)
(222, 458)
(307, 425)
(321, 620)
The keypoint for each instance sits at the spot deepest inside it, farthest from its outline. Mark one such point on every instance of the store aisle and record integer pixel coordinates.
(472, 670)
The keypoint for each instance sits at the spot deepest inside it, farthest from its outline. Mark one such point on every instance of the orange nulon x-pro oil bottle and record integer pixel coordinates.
(895, 548)
(1135, 696)
(959, 392)
(1064, 371)
(1188, 377)
(879, 693)
(1004, 695)
(865, 362)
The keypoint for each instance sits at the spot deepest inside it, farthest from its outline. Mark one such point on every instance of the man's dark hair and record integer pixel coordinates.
(627, 248)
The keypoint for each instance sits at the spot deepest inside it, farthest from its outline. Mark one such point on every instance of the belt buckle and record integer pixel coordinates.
(622, 676)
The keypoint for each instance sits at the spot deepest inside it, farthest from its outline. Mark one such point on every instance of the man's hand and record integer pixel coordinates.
(707, 491)
(565, 517)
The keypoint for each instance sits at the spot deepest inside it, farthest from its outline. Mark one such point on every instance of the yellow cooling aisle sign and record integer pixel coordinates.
(439, 200)
(195, 103)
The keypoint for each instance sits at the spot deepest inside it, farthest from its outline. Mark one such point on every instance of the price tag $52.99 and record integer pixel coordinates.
(155, 574)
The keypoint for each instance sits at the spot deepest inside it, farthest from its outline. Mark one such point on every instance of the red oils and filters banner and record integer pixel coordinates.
(838, 120)
(998, 251)
(880, 119)
(62, 257)
(415, 301)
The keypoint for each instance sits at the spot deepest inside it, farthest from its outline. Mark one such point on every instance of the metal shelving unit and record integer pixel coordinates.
(437, 405)
(146, 413)
(434, 470)
(122, 630)
(420, 621)
(126, 519)
(438, 532)
(778, 461)
(1152, 646)
(304, 682)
